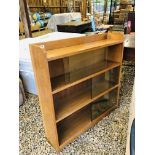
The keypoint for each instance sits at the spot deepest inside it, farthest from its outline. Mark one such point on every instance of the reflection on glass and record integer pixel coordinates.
(85, 64)
(104, 103)
(105, 81)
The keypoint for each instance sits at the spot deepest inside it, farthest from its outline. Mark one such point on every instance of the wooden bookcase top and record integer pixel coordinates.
(68, 47)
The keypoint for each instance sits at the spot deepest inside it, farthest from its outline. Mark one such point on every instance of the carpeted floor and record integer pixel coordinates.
(108, 137)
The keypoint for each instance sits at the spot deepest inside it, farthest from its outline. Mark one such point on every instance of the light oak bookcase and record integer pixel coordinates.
(78, 82)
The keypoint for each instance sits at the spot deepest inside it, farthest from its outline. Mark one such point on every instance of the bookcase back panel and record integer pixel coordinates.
(59, 74)
(58, 67)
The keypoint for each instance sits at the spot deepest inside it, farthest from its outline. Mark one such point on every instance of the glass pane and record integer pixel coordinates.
(105, 81)
(70, 69)
(80, 65)
(73, 68)
(104, 103)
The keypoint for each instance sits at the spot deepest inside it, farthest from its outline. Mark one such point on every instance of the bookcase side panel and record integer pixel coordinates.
(121, 50)
(42, 79)
(115, 53)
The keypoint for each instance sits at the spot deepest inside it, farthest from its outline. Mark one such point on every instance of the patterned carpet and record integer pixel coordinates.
(108, 137)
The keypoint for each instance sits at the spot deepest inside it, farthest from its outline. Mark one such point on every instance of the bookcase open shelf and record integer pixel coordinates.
(78, 83)
(80, 119)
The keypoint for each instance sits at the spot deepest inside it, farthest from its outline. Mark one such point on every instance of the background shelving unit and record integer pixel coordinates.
(57, 6)
(78, 83)
(121, 16)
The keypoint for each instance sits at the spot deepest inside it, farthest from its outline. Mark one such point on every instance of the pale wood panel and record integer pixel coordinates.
(112, 36)
(50, 45)
(42, 79)
(116, 35)
(68, 47)
(77, 49)
(116, 53)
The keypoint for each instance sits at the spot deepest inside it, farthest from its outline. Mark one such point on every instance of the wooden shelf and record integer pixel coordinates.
(105, 92)
(72, 106)
(74, 131)
(71, 74)
(79, 99)
(91, 71)
(102, 87)
(80, 121)
(77, 49)
(72, 103)
(84, 127)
